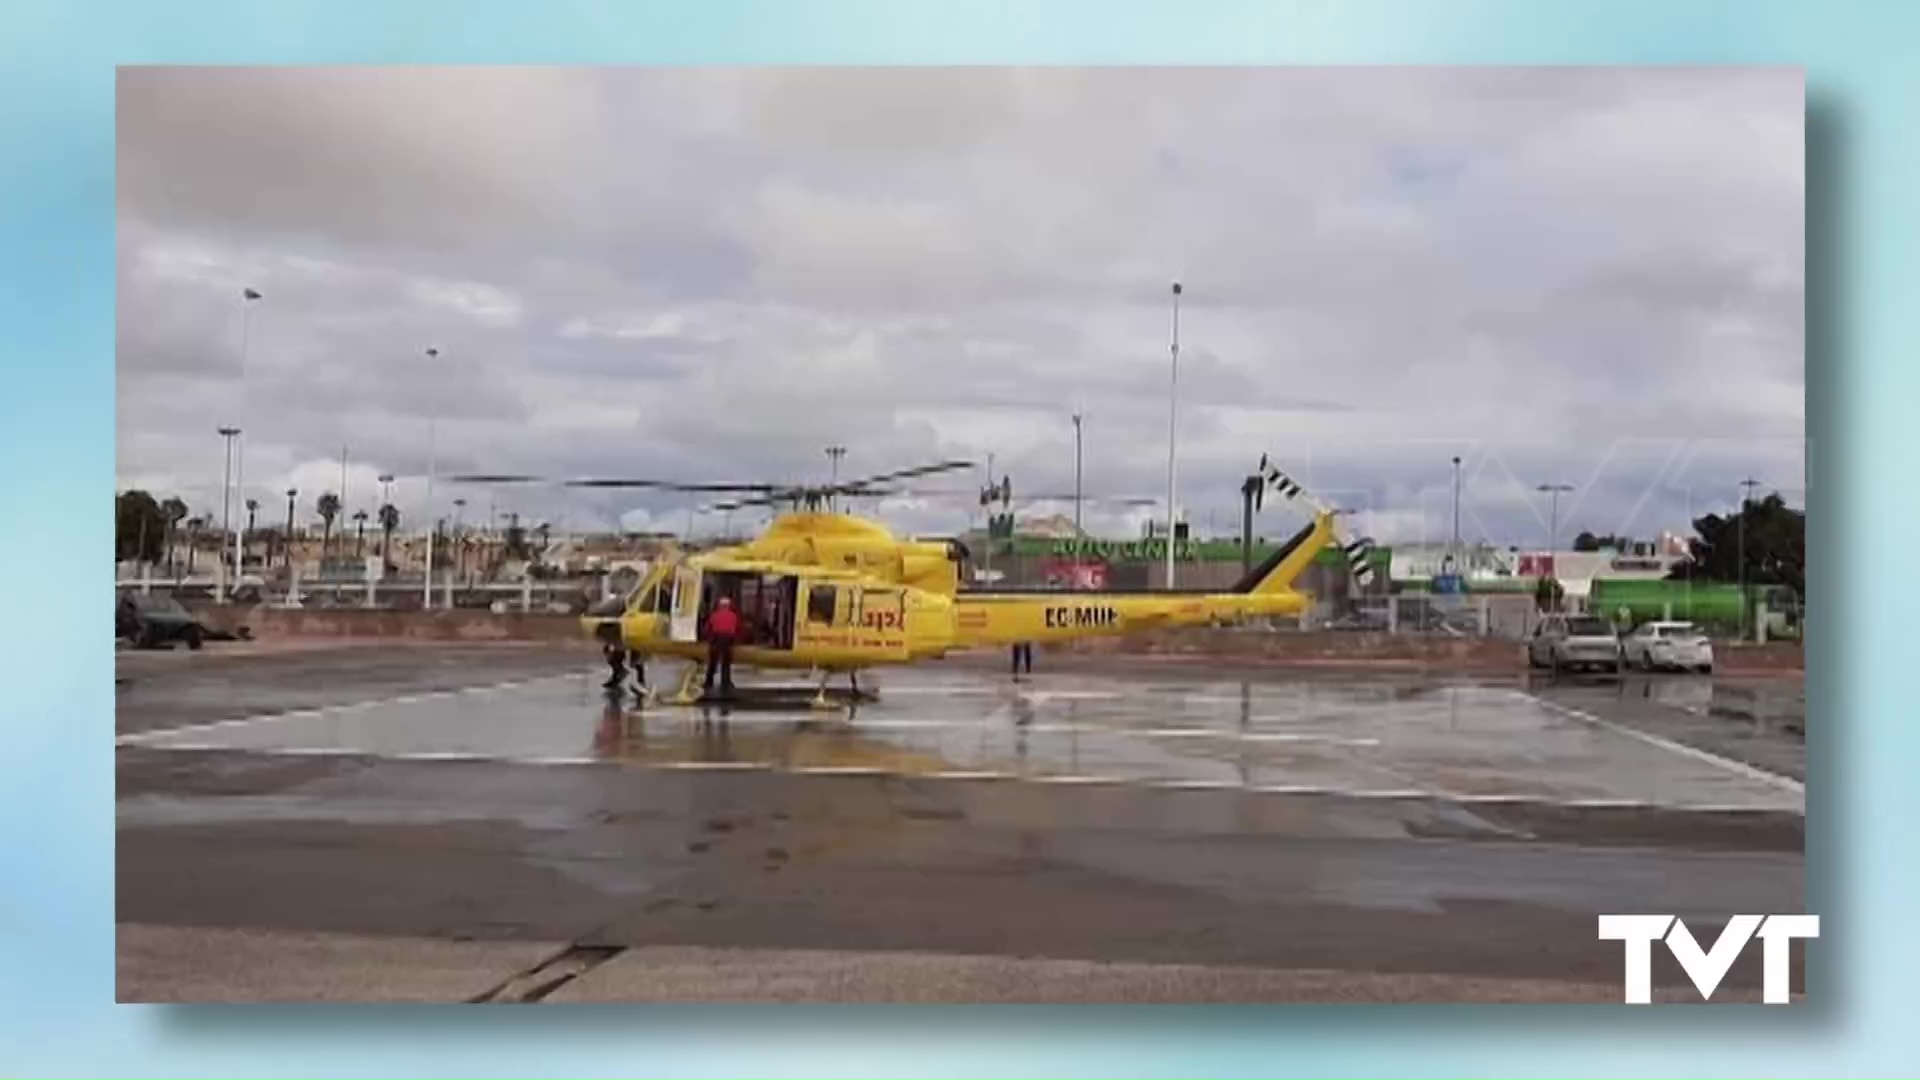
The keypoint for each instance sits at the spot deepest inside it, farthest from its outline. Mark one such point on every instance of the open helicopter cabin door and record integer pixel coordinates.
(684, 624)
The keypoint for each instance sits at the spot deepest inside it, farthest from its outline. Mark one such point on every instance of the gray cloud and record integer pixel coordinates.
(713, 273)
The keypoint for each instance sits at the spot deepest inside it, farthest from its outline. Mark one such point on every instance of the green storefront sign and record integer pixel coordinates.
(1153, 551)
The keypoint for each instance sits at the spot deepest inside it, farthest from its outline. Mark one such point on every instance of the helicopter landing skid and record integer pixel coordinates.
(775, 696)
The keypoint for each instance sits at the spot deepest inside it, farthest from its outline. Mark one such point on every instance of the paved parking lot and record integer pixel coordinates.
(1393, 827)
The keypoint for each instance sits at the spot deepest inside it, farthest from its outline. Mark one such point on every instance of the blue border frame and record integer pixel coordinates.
(56, 424)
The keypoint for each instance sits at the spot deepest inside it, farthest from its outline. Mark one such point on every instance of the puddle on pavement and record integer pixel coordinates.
(1358, 737)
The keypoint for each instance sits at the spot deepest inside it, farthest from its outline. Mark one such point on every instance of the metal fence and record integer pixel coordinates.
(571, 597)
(1505, 616)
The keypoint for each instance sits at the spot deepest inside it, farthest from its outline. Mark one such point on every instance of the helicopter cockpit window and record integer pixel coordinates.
(645, 600)
(820, 604)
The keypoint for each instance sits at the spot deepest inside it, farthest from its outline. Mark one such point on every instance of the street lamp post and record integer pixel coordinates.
(834, 454)
(1456, 510)
(1553, 514)
(1746, 497)
(1173, 429)
(426, 595)
(247, 297)
(229, 434)
(1077, 419)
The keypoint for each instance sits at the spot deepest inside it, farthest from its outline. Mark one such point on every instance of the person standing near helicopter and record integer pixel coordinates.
(723, 628)
(1022, 659)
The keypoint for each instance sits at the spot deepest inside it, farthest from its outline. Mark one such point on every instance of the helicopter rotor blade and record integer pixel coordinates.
(497, 478)
(669, 485)
(906, 474)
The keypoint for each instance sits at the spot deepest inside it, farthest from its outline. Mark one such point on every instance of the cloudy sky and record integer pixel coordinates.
(1586, 277)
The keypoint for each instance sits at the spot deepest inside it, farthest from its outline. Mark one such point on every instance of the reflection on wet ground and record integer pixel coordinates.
(1465, 742)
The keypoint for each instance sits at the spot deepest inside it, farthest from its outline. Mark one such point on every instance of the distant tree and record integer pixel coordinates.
(1775, 546)
(359, 534)
(176, 512)
(140, 527)
(515, 545)
(328, 507)
(1548, 594)
(1587, 541)
(194, 525)
(389, 521)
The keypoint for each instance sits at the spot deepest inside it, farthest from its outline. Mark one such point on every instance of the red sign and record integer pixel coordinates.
(1073, 574)
(1536, 566)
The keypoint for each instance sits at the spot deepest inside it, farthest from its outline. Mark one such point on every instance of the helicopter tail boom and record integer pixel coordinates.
(990, 618)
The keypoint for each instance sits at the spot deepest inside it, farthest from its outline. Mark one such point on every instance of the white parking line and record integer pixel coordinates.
(1199, 785)
(1250, 736)
(1738, 768)
(152, 735)
(1058, 780)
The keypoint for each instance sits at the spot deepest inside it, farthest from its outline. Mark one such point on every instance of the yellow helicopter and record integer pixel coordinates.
(833, 593)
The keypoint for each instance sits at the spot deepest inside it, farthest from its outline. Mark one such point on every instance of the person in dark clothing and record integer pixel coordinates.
(617, 656)
(723, 628)
(614, 651)
(1022, 658)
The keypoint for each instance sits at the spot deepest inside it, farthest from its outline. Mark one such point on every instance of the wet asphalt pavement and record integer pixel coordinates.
(1368, 825)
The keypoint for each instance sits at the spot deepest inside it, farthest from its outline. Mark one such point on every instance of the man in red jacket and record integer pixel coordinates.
(723, 627)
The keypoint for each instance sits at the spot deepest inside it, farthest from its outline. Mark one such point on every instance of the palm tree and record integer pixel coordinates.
(359, 533)
(286, 549)
(328, 506)
(389, 521)
(253, 505)
(175, 511)
(193, 535)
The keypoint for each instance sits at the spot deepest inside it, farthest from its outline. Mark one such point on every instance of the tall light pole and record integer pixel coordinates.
(1553, 514)
(834, 454)
(426, 580)
(1746, 496)
(1456, 511)
(1173, 429)
(1077, 419)
(987, 497)
(386, 488)
(247, 297)
(228, 434)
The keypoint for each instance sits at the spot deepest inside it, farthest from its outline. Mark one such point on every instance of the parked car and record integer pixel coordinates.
(151, 621)
(1673, 646)
(1570, 643)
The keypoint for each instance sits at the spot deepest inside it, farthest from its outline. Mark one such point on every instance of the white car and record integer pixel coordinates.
(1570, 642)
(1678, 646)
